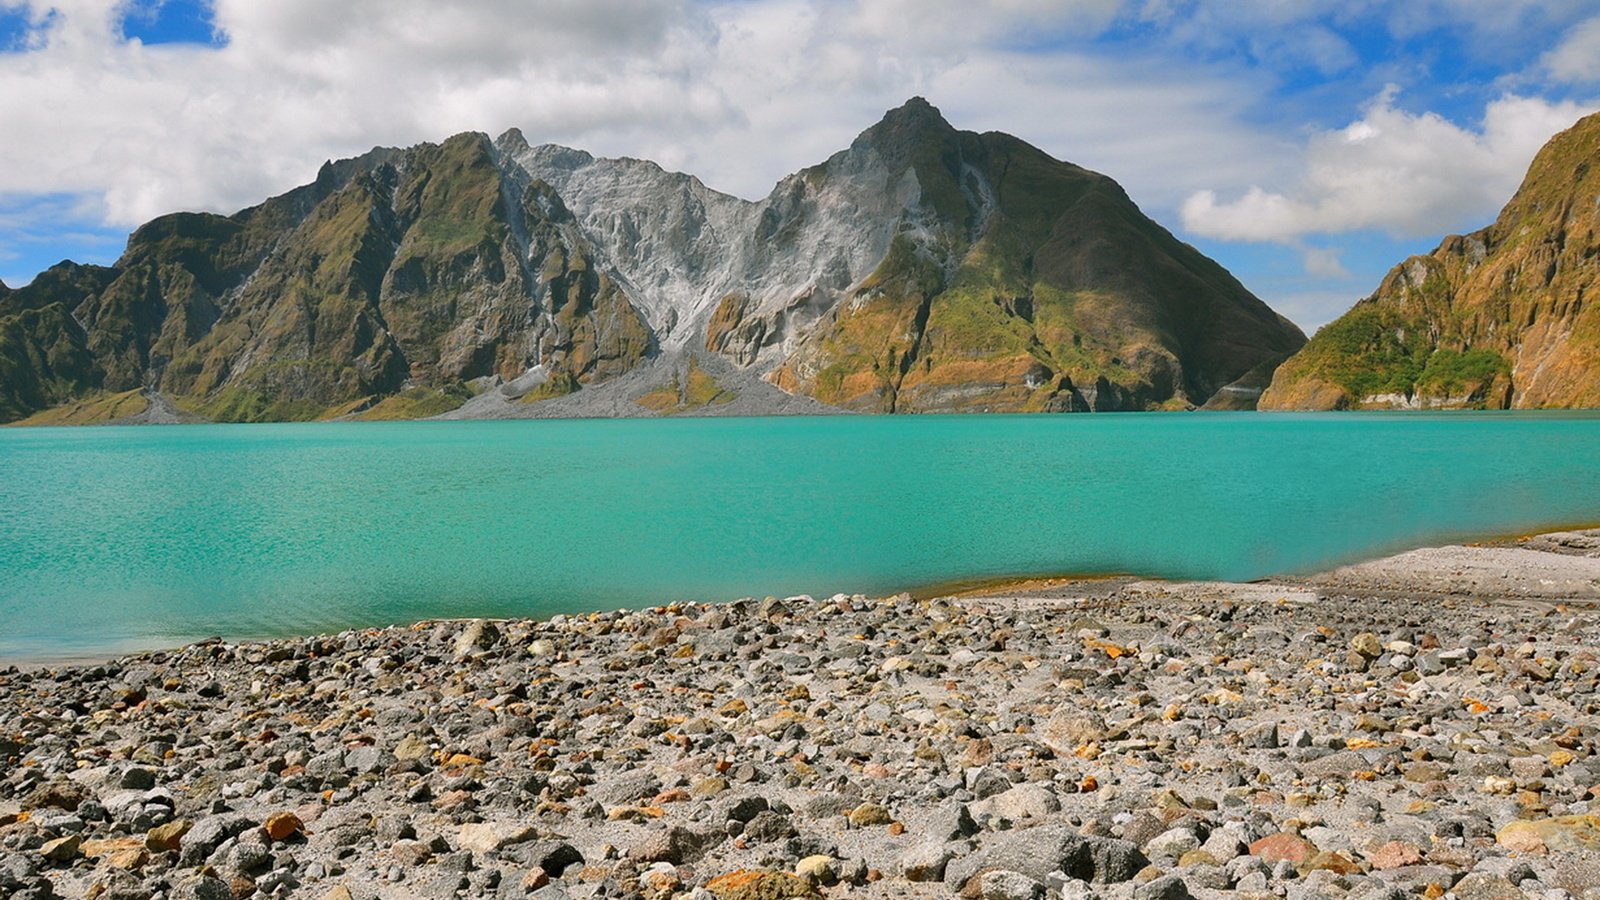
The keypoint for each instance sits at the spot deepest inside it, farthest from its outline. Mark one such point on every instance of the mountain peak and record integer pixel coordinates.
(1559, 171)
(911, 123)
(916, 109)
(511, 140)
(1577, 141)
(1591, 122)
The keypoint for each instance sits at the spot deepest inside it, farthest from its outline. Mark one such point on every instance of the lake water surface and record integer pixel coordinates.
(120, 538)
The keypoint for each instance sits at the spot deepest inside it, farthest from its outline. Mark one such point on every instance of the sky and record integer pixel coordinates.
(1307, 145)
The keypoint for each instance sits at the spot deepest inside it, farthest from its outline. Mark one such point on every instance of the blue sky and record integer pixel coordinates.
(1308, 145)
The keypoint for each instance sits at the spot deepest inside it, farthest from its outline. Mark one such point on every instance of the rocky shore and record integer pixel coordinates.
(1425, 726)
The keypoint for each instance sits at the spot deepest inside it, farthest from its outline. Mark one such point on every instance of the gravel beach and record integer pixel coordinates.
(1421, 726)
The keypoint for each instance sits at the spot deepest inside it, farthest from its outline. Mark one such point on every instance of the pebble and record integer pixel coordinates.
(487, 837)
(281, 826)
(1283, 847)
(1168, 887)
(1003, 885)
(1148, 742)
(925, 861)
(61, 850)
(870, 814)
(1579, 834)
(817, 869)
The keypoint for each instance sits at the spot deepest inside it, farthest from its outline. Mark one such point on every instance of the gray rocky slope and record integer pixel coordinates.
(779, 287)
(679, 247)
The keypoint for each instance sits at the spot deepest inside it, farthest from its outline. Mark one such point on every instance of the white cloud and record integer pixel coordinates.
(1405, 174)
(807, 79)
(1486, 22)
(1324, 262)
(739, 93)
(158, 128)
(956, 23)
(1316, 34)
(1311, 309)
(742, 92)
(1577, 58)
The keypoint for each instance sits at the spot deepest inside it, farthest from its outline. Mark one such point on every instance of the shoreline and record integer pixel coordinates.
(165, 412)
(1119, 739)
(1087, 584)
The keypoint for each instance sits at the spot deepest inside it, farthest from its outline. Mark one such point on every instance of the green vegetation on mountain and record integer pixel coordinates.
(1451, 372)
(1028, 284)
(865, 355)
(234, 404)
(95, 409)
(1371, 351)
(1497, 318)
(384, 285)
(416, 403)
(693, 389)
(43, 361)
(559, 385)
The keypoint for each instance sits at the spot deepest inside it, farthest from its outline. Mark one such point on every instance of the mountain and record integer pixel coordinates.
(1501, 318)
(923, 269)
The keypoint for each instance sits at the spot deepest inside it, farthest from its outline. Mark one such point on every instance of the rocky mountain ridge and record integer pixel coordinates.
(1500, 318)
(922, 269)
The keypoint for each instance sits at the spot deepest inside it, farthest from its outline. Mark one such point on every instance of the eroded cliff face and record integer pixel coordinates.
(1500, 318)
(921, 269)
(926, 269)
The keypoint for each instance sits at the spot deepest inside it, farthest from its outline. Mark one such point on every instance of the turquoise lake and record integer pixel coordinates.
(122, 538)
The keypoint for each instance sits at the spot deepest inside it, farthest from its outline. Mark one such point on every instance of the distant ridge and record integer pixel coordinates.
(922, 269)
